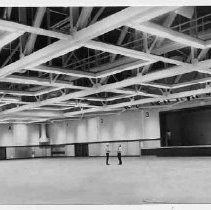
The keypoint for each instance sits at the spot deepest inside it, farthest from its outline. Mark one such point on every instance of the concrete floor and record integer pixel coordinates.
(89, 181)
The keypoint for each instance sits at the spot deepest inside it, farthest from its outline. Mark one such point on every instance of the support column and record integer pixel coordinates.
(43, 137)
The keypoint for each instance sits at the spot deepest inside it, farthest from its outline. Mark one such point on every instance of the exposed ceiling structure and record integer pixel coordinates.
(73, 62)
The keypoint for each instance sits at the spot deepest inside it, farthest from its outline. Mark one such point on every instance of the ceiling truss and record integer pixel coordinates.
(92, 60)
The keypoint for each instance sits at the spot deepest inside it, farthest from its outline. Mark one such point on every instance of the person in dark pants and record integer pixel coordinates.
(107, 154)
(119, 154)
(168, 138)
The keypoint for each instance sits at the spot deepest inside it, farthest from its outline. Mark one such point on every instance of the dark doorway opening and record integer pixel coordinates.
(81, 150)
(3, 154)
(186, 127)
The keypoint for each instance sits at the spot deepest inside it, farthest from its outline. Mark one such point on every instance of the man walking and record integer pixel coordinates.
(107, 154)
(119, 154)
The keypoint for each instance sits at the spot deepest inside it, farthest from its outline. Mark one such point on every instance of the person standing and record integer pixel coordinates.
(119, 154)
(168, 138)
(107, 154)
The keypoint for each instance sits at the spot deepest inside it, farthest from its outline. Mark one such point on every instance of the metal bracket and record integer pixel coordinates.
(55, 78)
(97, 85)
(63, 92)
(38, 98)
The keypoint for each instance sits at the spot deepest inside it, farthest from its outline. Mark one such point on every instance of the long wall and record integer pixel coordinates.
(19, 135)
(131, 125)
(127, 126)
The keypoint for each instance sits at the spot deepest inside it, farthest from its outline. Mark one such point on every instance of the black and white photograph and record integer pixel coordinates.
(105, 104)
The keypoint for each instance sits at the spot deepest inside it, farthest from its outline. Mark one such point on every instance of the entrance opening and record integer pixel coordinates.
(81, 150)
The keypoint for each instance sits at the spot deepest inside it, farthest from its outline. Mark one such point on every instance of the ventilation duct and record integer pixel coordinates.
(43, 138)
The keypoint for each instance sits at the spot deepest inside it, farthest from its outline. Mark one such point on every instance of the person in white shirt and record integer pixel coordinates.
(107, 153)
(119, 154)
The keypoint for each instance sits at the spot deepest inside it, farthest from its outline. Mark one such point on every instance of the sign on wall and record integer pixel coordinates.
(146, 114)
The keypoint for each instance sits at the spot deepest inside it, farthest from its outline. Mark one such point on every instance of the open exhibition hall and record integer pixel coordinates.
(105, 105)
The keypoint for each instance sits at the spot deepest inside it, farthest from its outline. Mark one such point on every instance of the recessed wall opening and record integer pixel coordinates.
(187, 127)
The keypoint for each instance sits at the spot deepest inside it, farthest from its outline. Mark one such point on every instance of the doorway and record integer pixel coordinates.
(81, 150)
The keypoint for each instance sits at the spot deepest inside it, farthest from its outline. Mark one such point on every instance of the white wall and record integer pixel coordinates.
(131, 125)
(57, 133)
(84, 130)
(6, 135)
(151, 128)
(151, 124)
(127, 126)
(128, 148)
(19, 134)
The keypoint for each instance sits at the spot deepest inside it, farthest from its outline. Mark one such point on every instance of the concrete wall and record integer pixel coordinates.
(64, 150)
(128, 149)
(127, 126)
(27, 152)
(19, 135)
(151, 124)
(57, 133)
(151, 128)
(187, 128)
(6, 135)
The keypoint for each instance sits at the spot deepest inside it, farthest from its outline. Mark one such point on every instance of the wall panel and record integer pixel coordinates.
(128, 149)
(131, 125)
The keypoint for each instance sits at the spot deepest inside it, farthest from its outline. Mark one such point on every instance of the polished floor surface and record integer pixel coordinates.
(90, 181)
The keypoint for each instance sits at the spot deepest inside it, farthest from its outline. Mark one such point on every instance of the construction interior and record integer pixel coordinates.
(73, 79)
